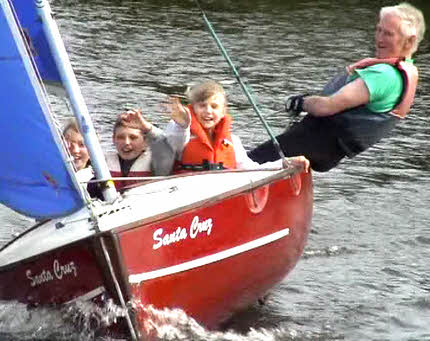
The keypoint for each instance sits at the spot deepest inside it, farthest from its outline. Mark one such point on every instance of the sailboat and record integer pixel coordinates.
(209, 243)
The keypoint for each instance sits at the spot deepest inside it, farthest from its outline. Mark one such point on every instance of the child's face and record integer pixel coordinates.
(211, 111)
(77, 149)
(129, 142)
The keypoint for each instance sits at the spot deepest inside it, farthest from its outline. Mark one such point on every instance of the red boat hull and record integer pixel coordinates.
(227, 278)
(209, 260)
(53, 278)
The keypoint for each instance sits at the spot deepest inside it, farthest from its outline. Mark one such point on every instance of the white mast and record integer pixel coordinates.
(79, 107)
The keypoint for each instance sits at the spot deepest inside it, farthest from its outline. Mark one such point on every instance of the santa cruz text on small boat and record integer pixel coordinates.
(58, 272)
(196, 227)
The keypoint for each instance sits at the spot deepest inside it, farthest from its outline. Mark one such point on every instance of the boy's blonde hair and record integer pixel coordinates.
(202, 91)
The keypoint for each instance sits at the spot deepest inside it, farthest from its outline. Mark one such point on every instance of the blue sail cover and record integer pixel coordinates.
(33, 31)
(33, 177)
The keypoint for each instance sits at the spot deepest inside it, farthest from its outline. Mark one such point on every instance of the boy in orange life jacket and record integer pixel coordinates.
(211, 144)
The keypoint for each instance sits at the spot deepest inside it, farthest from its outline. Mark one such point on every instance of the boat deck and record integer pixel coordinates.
(150, 201)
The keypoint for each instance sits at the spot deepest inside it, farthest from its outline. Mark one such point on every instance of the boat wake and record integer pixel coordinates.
(175, 325)
(90, 318)
(19, 322)
(78, 321)
(329, 251)
(87, 321)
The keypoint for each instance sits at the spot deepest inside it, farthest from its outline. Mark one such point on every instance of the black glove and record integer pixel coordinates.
(294, 105)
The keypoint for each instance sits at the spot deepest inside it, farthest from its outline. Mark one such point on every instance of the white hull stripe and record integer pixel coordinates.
(137, 278)
(89, 295)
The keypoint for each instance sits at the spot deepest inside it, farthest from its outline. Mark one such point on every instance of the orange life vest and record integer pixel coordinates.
(410, 77)
(141, 167)
(200, 148)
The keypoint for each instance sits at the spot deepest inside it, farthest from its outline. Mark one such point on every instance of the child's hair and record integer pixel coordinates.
(121, 123)
(202, 91)
(71, 124)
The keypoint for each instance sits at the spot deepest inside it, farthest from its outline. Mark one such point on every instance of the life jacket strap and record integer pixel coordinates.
(204, 166)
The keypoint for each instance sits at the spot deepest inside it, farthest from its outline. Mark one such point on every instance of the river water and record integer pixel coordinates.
(364, 274)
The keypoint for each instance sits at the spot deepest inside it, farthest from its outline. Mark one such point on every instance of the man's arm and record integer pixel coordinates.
(351, 95)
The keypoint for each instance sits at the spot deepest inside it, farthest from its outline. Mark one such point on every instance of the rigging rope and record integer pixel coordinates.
(239, 79)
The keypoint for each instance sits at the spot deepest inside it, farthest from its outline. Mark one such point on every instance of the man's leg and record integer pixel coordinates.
(311, 137)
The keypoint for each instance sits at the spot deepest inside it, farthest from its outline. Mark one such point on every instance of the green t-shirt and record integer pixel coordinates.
(385, 85)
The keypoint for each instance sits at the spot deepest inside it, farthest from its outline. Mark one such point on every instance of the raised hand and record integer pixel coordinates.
(134, 118)
(179, 113)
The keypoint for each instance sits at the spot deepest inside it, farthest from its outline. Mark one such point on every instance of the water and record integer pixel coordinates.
(364, 274)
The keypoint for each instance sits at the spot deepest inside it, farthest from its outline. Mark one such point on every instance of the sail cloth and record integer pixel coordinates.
(34, 179)
(33, 31)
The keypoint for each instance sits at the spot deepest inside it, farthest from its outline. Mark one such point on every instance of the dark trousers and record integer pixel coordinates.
(312, 137)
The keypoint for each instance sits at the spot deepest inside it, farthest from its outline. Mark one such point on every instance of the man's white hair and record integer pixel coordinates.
(413, 23)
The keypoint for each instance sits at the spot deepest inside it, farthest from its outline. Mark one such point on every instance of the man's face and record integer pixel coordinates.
(211, 111)
(389, 39)
(129, 142)
(77, 149)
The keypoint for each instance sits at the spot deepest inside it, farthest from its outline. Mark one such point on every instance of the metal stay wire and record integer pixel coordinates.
(239, 79)
(143, 178)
